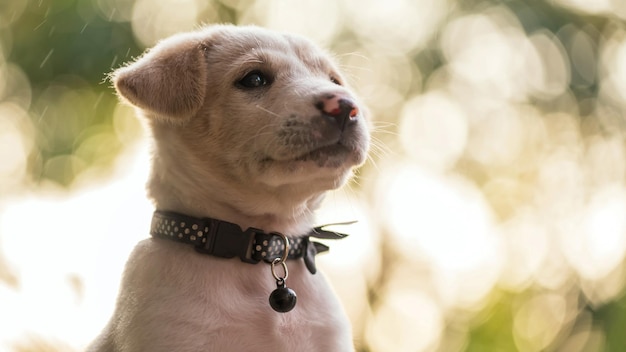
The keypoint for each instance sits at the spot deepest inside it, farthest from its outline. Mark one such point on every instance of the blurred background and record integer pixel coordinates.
(492, 212)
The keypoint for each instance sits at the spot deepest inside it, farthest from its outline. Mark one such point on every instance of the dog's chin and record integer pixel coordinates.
(329, 165)
(332, 156)
(335, 156)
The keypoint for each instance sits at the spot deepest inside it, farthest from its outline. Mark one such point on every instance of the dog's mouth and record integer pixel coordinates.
(323, 153)
(333, 155)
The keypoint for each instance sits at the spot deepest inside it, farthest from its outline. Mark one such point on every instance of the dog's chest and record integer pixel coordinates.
(223, 304)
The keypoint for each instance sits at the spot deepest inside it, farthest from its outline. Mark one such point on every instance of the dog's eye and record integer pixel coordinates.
(335, 80)
(254, 79)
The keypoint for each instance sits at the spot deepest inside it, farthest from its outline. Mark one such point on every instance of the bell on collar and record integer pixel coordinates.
(282, 299)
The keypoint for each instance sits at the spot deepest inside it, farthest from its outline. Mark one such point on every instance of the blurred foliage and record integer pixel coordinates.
(62, 123)
(65, 49)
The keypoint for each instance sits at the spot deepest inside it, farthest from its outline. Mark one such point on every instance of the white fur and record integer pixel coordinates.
(233, 154)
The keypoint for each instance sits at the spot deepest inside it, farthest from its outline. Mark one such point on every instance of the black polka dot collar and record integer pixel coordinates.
(227, 240)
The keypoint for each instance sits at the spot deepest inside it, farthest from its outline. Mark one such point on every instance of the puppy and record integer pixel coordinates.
(251, 127)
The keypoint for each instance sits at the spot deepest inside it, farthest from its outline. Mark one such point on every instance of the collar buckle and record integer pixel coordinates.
(227, 240)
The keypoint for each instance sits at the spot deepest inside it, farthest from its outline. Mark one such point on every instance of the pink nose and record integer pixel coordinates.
(342, 109)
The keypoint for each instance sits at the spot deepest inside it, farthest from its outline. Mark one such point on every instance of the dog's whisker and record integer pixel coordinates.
(378, 145)
(373, 160)
(349, 68)
(383, 124)
(266, 110)
(374, 163)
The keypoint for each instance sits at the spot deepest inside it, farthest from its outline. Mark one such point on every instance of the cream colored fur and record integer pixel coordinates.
(234, 154)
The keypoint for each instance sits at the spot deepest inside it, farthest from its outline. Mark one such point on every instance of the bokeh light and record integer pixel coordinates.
(492, 212)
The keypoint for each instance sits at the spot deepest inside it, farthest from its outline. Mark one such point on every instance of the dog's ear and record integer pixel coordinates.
(169, 80)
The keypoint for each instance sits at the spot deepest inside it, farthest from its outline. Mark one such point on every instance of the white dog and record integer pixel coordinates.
(251, 127)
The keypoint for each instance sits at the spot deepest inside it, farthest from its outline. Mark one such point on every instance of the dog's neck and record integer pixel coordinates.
(198, 182)
(277, 210)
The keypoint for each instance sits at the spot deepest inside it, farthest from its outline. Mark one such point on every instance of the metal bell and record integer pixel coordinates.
(282, 299)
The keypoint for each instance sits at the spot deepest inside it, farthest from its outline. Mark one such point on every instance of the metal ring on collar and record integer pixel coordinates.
(281, 260)
(278, 278)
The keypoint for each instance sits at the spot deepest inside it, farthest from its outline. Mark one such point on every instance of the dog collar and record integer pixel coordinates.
(227, 240)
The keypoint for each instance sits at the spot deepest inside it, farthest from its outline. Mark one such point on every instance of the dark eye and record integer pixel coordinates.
(254, 79)
(335, 80)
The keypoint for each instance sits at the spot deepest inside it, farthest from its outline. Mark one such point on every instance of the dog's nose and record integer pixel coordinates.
(342, 109)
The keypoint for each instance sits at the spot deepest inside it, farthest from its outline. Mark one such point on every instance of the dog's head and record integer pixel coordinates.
(247, 109)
